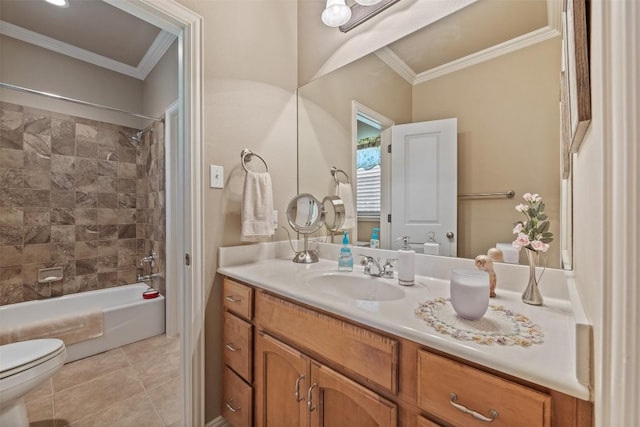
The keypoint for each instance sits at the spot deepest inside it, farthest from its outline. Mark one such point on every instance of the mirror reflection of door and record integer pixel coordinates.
(424, 186)
(369, 171)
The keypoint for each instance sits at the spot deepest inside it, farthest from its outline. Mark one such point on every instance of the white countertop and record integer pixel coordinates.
(551, 364)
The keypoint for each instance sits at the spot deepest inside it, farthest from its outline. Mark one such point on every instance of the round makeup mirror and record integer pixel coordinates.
(305, 215)
(334, 213)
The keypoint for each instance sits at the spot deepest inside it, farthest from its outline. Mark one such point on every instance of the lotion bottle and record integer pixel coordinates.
(375, 239)
(345, 261)
(406, 264)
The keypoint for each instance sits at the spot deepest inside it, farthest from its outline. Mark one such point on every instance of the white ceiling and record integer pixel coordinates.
(89, 30)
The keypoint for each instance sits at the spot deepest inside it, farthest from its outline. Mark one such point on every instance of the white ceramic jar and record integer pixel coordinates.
(469, 292)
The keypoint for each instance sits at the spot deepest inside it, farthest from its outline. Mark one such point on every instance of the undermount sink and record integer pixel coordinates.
(354, 286)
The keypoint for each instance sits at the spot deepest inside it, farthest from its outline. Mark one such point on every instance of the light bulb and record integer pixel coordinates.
(59, 3)
(336, 13)
(367, 2)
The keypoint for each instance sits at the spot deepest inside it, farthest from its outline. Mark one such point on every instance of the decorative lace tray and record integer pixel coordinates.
(498, 326)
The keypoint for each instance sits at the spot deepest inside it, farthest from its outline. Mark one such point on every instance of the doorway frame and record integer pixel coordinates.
(189, 219)
(385, 166)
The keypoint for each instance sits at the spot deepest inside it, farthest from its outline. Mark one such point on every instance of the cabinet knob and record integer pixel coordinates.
(493, 414)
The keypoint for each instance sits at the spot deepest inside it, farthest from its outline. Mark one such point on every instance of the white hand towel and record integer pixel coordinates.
(257, 207)
(344, 191)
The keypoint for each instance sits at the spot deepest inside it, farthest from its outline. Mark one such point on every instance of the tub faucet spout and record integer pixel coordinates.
(146, 277)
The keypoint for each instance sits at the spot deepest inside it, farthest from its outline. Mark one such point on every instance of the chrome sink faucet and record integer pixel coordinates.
(381, 271)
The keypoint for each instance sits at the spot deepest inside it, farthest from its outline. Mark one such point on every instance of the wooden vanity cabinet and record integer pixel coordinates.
(281, 383)
(294, 390)
(463, 395)
(237, 354)
(309, 368)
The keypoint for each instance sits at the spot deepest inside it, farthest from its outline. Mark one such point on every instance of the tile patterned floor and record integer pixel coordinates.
(137, 385)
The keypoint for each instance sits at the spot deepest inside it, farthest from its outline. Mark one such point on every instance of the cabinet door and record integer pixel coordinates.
(281, 384)
(336, 401)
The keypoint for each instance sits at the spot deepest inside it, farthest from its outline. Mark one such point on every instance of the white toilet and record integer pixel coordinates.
(23, 366)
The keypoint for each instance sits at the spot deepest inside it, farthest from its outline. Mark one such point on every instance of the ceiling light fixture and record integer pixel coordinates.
(361, 14)
(368, 2)
(336, 13)
(59, 3)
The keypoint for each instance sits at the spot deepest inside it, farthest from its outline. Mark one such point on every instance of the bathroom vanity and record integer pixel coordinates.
(299, 354)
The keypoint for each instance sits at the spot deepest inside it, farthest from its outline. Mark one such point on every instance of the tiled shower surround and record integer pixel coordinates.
(78, 194)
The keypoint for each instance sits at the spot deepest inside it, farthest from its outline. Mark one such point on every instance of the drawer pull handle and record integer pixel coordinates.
(231, 347)
(493, 414)
(230, 407)
(297, 390)
(310, 404)
(231, 298)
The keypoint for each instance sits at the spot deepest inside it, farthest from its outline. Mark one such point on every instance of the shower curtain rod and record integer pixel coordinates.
(76, 101)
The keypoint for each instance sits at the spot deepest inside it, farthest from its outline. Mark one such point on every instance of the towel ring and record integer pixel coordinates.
(246, 155)
(335, 171)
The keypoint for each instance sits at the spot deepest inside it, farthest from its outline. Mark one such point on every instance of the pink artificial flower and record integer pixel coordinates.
(521, 241)
(518, 228)
(537, 245)
(532, 198)
(522, 207)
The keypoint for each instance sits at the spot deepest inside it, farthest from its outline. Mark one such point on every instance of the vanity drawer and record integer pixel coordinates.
(236, 400)
(372, 356)
(237, 345)
(237, 298)
(440, 378)
(425, 422)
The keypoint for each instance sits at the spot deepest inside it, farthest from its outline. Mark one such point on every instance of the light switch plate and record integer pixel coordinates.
(216, 176)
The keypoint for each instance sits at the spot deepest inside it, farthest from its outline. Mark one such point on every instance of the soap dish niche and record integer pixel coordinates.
(48, 275)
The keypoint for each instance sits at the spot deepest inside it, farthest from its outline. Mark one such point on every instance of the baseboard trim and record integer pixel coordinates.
(218, 422)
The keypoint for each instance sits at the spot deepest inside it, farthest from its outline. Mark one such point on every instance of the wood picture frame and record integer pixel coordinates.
(576, 67)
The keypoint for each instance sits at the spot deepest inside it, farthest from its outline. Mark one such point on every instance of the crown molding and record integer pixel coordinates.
(554, 14)
(158, 48)
(151, 58)
(390, 58)
(493, 52)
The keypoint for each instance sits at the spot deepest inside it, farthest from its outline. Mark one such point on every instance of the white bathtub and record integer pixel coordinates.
(127, 316)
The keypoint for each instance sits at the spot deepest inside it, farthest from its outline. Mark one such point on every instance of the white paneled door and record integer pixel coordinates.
(424, 184)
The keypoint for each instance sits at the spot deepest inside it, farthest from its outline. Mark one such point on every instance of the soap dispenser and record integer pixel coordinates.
(345, 261)
(406, 264)
(375, 239)
(431, 247)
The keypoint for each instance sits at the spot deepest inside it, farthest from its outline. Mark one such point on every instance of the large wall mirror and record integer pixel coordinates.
(494, 67)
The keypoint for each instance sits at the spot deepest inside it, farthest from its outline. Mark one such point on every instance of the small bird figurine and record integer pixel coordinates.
(485, 262)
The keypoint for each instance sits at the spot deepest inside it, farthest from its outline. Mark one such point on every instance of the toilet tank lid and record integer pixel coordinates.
(21, 353)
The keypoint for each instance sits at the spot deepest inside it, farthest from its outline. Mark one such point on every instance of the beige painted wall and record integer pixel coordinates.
(324, 118)
(160, 88)
(508, 139)
(249, 101)
(589, 196)
(26, 65)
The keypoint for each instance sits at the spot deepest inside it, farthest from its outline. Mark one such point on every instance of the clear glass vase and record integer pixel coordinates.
(531, 294)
